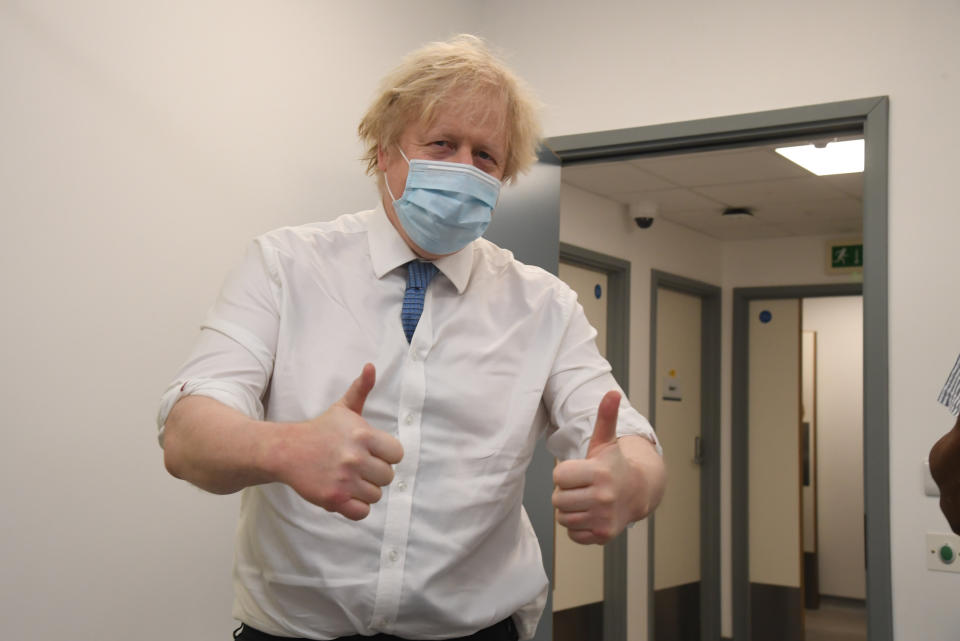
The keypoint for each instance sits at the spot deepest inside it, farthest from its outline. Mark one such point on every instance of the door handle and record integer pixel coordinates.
(698, 450)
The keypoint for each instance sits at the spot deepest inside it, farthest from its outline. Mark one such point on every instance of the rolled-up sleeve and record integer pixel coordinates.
(579, 379)
(232, 360)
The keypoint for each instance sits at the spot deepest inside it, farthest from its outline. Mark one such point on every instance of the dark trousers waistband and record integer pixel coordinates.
(503, 631)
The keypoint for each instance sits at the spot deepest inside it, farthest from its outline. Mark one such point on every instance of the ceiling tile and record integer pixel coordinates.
(670, 199)
(712, 222)
(772, 192)
(851, 184)
(606, 179)
(786, 199)
(846, 207)
(743, 229)
(819, 226)
(695, 170)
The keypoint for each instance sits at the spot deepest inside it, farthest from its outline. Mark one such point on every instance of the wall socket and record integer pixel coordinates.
(943, 551)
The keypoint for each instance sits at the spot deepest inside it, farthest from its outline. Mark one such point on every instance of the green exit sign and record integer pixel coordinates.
(842, 256)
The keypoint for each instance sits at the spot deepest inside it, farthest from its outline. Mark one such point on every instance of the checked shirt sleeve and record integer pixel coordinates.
(950, 394)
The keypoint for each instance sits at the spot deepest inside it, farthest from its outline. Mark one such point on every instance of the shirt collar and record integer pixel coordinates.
(389, 251)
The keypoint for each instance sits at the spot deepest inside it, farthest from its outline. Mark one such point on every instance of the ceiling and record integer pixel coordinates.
(693, 190)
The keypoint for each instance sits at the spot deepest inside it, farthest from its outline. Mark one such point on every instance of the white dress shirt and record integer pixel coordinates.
(502, 355)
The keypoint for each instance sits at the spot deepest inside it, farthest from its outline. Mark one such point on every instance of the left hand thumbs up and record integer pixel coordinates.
(589, 493)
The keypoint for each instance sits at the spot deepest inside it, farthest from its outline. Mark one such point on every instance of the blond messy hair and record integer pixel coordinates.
(462, 68)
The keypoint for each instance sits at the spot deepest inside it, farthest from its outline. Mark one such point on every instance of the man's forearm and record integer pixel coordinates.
(216, 447)
(336, 460)
(642, 456)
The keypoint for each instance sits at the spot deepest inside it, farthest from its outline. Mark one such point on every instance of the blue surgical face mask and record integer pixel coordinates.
(445, 205)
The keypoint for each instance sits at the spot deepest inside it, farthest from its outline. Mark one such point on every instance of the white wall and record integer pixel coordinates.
(144, 144)
(838, 322)
(606, 65)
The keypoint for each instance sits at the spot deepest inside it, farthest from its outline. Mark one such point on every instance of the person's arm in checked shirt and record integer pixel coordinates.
(945, 454)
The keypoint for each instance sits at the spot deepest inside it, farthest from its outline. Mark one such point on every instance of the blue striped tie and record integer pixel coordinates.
(418, 277)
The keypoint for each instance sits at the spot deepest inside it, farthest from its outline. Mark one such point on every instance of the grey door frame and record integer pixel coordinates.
(617, 271)
(871, 117)
(740, 445)
(710, 345)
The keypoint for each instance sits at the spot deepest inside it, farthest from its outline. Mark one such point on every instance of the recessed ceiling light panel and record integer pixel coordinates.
(838, 157)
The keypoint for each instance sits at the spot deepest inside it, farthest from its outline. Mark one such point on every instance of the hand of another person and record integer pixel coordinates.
(337, 460)
(598, 496)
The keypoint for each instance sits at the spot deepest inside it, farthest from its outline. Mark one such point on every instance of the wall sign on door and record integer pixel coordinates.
(671, 387)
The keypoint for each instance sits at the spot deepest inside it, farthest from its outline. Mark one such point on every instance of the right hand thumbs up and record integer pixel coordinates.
(340, 462)
(356, 395)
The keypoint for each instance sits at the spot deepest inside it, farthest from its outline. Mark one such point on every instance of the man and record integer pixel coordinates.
(390, 504)
(945, 454)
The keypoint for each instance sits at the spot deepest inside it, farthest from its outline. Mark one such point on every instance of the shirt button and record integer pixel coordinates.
(394, 556)
(408, 419)
(401, 485)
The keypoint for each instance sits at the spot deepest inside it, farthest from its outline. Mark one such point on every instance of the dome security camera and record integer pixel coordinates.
(644, 213)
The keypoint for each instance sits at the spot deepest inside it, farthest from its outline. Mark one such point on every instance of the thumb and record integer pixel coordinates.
(605, 429)
(356, 396)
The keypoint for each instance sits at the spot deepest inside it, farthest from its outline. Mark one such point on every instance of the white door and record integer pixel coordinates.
(678, 414)
(774, 470)
(578, 577)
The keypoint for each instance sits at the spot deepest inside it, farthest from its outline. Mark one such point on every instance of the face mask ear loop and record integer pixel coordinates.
(387, 182)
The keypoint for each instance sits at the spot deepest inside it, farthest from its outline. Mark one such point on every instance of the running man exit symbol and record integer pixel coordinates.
(846, 256)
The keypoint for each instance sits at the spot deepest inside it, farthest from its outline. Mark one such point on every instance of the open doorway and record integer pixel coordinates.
(804, 444)
(834, 572)
(867, 117)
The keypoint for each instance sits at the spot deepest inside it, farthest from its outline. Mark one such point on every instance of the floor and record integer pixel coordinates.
(837, 620)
